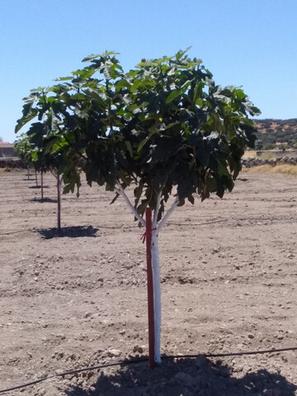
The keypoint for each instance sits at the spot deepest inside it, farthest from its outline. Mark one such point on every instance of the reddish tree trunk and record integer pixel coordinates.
(58, 202)
(150, 290)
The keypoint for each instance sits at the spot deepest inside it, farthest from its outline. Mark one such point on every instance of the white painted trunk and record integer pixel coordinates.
(157, 293)
(155, 262)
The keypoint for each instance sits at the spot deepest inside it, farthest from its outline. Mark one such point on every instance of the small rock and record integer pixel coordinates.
(113, 353)
(58, 355)
(138, 348)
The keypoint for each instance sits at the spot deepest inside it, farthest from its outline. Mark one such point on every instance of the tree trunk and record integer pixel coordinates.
(150, 289)
(41, 185)
(156, 227)
(157, 291)
(153, 276)
(36, 179)
(58, 202)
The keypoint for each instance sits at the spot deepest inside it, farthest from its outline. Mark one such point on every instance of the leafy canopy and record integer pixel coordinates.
(165, 127)
(44, 145)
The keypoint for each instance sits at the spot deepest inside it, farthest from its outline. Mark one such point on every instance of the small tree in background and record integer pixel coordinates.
(24, 151)
(164, 128)
(45, 143)
(28, 153)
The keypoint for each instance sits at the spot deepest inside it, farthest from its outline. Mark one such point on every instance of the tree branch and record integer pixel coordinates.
(163, 221)
(120, 190)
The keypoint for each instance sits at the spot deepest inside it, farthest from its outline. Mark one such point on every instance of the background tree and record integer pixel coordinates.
(24, 152)
(48, 149)
(164, 128)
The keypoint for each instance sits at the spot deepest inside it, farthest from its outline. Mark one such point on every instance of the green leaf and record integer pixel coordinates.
(29, 116)
(173, 95)
(129, 148)
(198, 93)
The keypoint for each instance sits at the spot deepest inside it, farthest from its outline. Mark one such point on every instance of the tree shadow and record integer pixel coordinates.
(70, 232)
(51, 200)
(185, 377)
(38, 187)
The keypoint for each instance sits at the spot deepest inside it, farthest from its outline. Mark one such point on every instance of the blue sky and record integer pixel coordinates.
(249, 43)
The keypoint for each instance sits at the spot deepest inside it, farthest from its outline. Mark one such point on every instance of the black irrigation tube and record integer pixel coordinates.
(70, 372)
(142, 360)
(227, 354)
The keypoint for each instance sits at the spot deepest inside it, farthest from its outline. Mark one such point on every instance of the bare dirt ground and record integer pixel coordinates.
(228, 285)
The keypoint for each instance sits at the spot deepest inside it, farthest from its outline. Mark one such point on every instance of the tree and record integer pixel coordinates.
(44, 142)
(30, 157)
(24, 151)
(164, 128)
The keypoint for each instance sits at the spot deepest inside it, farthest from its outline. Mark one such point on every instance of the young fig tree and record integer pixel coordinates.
(48, 149)
(24, 151)
(166, 129)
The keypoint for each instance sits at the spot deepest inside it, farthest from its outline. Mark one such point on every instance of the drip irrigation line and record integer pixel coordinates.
(195, 224)
(71, 372)
(142, 360)
(230, 354)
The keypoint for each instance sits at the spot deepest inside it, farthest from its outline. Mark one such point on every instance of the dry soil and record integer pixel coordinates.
(228, 271)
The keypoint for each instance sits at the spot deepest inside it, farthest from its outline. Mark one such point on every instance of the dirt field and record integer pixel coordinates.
(228, 285)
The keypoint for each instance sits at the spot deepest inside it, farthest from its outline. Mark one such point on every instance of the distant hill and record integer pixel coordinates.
(277, 133)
